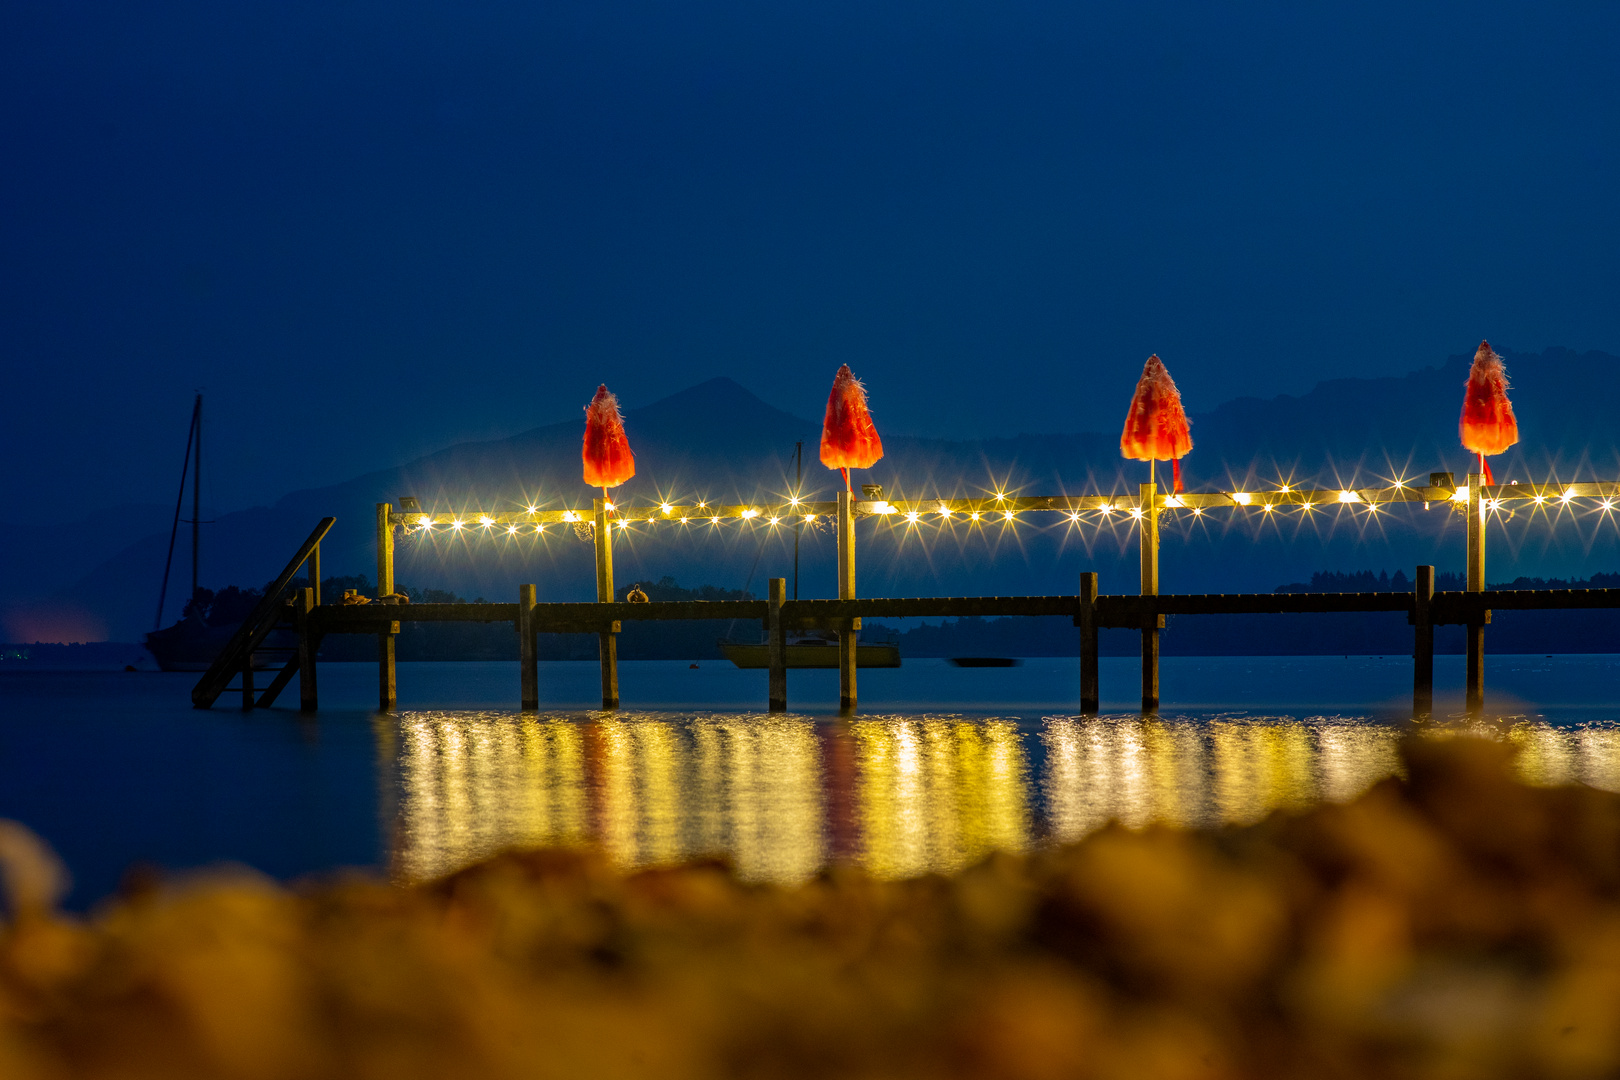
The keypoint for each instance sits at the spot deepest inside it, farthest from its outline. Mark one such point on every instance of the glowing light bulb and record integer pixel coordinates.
(1136, 512)
(1266, 507)
(538, 529)
(623, 525)
(1349, 496)
(665, 508)
(1283, 489)
(569, 515)
(425, 521)
(809, 518)
(702, 505)
(1606, 504)
(750, 513)
(683, 521)
(1242, 498)
(1006, 515)
(1568, 494)
(999, 496)
(608, 506)
(1198, 511)
(774, 520)
(714, 520)
(1074, 515)
(912, 515)
(975, 515)
(1460, 495)
(455, 524)
(1107, 510)
(1539, 499)
(532, 509)
(793, 501)
(511, 530)
(1173, 501)
(485, 521)
(944, 511)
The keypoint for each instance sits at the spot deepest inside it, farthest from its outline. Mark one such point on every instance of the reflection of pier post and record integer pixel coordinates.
(528, 669)
(1088, 644)
(1423, 643)
(1149, 537)
(1476, 584)
(607, 643)
(776, 646)
(848, 632)
(387, 691)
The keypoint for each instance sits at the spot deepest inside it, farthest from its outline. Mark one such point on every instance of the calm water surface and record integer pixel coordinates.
(944, 765)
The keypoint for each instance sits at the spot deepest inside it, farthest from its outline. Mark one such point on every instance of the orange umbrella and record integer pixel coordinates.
(1156, 428)
(1487, 425)
(849, 439)
(607, 456)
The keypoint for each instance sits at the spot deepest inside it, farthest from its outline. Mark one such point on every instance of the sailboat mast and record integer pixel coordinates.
(196, 501)
(179, 501)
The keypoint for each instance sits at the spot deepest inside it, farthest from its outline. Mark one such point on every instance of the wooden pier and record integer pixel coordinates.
(1090, 610)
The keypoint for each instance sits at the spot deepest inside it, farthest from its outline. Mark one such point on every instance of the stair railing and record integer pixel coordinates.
(237, 656)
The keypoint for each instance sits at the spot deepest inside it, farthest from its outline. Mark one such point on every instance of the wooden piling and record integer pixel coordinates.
(1475, 678)
(387, 689)
(314, 569)
(1089, 690)
(1423, 643)
(776, 638)
(1149, 537)
(308, 698)
(848, 633)
(607, 643)
(528, 668)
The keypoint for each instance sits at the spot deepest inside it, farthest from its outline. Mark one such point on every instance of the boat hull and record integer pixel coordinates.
(867, 655)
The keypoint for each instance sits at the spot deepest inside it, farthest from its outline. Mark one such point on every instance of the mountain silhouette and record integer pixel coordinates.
(719, 442)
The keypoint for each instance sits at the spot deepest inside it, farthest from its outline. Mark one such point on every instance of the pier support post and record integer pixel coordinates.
(776, 639)
(1476, 584)
(1423, 643)
(387, 690)
(528, 670)
(1149, 537)
(313, 567)
(1088, 644)
(308, 699)
(847, 633)
(607, 644)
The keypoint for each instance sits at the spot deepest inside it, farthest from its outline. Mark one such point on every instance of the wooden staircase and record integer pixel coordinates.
(233, 668)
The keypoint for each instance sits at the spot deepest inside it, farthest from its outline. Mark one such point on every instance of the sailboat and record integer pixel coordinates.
(192, 643)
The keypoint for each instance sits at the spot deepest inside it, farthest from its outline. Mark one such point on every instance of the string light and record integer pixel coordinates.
(1349, 497)
(665, 508)
(808, 518)
(1007, 515)
(912, 516)
(975, 515)
(1242, 498)
(775, 520)
(569, 515)
(609, 507)
(750, 513)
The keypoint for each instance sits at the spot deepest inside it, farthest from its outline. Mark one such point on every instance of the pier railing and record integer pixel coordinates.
(1091, 611)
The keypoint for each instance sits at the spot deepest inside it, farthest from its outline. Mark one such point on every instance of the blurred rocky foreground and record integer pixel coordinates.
(1453, 924)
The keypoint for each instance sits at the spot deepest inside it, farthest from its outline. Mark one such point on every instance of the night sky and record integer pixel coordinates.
(369, 230)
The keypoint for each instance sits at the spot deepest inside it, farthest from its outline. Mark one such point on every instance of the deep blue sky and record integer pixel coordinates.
(371, 229)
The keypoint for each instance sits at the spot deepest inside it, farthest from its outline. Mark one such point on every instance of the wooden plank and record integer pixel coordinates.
(278, 684)
(387, 688)
(1089, 689)
(1148, 543)
(1423, 643)
(308, 644)
(846, 591)
(265, 616)
(1474, 680)
(607, 645)
(528, 667)
(776, 638)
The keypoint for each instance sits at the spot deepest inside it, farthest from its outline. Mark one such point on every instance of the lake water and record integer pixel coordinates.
(942, 765)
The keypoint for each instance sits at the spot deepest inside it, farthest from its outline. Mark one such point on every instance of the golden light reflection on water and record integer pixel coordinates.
(1139, 771)
(937, 794)
(782, 796)
(1551, 755)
